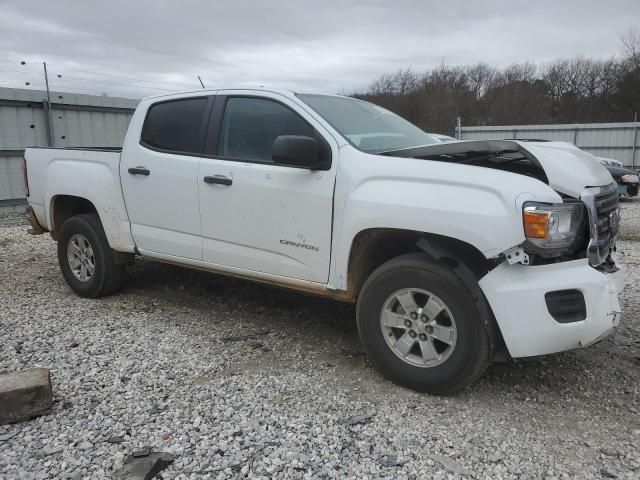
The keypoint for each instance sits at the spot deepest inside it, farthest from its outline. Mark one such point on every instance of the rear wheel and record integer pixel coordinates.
(421, 326)
(86, 260)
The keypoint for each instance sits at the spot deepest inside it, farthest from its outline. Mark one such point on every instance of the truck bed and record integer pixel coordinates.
(89, 173)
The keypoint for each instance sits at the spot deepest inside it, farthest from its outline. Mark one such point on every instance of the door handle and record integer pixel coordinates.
(218, 179)
(139, 171)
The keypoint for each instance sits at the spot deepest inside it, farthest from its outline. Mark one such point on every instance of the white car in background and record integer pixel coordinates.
(610, 161)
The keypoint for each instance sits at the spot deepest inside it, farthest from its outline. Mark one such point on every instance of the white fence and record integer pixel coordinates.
(70, 120)
(610, 140)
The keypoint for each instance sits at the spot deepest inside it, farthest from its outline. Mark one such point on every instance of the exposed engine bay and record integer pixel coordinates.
(498, 154)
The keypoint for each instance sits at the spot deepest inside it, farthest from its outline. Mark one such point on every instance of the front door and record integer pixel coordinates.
(258, 215)
(160, 179)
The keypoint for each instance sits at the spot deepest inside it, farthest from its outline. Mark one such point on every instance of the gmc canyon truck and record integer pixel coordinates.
(455, 253)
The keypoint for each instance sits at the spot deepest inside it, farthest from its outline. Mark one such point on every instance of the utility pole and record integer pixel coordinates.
(52, 141)
(459, 128)
(635, 141)
(46, 81)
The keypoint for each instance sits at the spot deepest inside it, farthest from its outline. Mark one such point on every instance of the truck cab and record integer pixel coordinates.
(455, 253)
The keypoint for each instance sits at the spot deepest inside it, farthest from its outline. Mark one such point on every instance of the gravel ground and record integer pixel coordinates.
(238, 379)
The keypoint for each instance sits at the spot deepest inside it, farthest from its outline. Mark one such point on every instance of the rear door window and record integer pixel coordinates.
(175, 126)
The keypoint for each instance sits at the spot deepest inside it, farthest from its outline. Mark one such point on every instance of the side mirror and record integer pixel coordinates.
(297, 151)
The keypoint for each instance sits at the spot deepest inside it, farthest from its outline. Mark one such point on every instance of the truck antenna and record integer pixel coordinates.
(200, 80)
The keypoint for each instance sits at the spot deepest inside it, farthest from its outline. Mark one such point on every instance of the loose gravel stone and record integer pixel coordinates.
(622, 341)
(197, 388)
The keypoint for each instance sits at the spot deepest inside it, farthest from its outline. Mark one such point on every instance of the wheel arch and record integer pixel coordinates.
(117, 229)
(372, 247)
(63, 207)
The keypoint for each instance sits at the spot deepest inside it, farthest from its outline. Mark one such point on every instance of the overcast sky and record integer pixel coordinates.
(321, 45)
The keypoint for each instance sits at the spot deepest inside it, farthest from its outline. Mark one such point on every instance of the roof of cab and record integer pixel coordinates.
(211, 91)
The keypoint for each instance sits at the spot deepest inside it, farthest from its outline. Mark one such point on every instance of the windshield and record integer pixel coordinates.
(366, 126)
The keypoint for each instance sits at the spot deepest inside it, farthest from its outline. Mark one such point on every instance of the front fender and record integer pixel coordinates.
(478, 206)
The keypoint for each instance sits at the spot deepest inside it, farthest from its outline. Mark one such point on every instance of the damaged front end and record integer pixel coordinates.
(575, 229)
(558, 288)
(584, 225)
(563, 280)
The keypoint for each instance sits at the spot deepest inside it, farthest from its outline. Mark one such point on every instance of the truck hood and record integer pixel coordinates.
(569, 169)
(563, 166)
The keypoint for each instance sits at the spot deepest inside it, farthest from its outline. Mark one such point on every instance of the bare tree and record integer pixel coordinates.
(565, 90)
(556, 77)
(631, 43)
(480, 78)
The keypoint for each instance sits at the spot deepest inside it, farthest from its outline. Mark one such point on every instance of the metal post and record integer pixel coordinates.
(46, 108)
(459, 128)
(51, 138)
(635, 141)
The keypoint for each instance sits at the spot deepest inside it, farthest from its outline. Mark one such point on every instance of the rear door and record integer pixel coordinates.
(159, 172)
(258, 215)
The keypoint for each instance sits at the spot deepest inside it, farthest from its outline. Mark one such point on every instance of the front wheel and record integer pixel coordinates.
(85, 258)
(421, 326)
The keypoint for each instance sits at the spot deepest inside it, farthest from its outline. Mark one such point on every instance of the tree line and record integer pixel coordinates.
(567, 90)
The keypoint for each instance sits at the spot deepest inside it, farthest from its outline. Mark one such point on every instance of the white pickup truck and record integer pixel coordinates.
(456, 253)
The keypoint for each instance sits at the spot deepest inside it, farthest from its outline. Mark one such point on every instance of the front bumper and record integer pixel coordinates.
(516, 294)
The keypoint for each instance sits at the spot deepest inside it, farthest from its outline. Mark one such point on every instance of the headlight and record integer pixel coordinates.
(553, 229)
(630, 178)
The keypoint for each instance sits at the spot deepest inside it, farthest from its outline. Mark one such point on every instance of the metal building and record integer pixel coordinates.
(71, 120)
(610, 140)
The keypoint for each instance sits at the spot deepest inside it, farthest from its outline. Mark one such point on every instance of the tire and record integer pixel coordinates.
(431, 364)
(86, 233)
